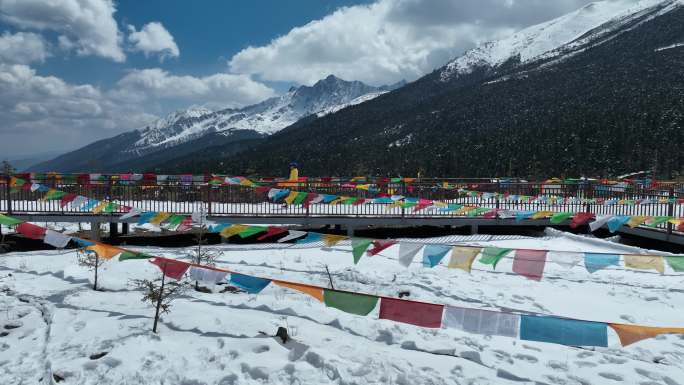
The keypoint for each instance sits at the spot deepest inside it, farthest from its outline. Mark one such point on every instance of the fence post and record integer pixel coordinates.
(209, 190)
(588, 194)
(496, 197)
(306, 208)
(670, 210)
(8, 189)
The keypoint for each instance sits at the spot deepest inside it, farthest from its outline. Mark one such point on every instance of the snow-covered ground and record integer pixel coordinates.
(57, 325)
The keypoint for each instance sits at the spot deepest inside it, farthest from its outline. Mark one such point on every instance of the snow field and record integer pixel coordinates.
(215, 338)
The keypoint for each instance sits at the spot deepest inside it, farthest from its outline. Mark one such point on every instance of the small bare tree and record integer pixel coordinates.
(159, 294)
(91, 261)
(200, 255)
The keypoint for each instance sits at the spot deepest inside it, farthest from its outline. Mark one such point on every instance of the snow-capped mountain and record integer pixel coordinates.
(327, 95)
(594, 92)
(195, 129)
(544, 40)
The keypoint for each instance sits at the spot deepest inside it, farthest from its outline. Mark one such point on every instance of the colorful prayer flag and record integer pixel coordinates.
(595, 262)
(563, 331)
(359, 304)
(529, 263)
(407, 251)
(629, 334)
(170, 267)
(252, 285)
(379, 245)
(433, 254)
(492, 255)
(463, 257)
(645, 262)
(410, 312)
(359, 246)
(481, 321)
(313, 291)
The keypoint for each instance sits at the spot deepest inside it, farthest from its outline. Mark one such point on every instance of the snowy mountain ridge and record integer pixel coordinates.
(552, 38)
(326, 96)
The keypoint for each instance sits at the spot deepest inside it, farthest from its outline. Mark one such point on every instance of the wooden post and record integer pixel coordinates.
(159, 300)
(670, 210)
(97, 265)
(8, 171)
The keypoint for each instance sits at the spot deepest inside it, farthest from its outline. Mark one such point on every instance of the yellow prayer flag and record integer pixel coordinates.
(392, 206)
(440, 204)
(105, 251)
(636, 220)
(630, 334)
(291, 197)
(159, 218)
(313, 291)
(645, 262)
(463, 257)
(100, 207)
(542, 214)
(232, 230)
(331, 240)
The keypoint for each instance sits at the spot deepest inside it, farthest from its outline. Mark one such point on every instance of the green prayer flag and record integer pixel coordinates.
(395, 180)
(251, 230)
(492, 255)
(477, 211)
(359, 246)
(175, 220)
(54, 194)
(9, 221)
(676, 263)
(359, 304)
(560, 217)
(126, 255)
(110, 208)
(348, 201)
(658, 221)
(300, 198)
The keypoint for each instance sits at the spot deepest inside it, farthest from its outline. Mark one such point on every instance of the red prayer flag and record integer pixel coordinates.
(359, 201)
(171, 267)
(67, 199)
(271, 232)
(30, 230)
(415, 313)
(185, 225)
(581, 219)
(307, 201)
(380, 245)
(529, 263)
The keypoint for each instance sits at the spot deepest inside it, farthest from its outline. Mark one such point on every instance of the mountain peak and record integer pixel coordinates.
(542, 39)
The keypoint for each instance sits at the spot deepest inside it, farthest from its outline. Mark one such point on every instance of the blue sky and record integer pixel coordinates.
(76, 71)
(209, 33)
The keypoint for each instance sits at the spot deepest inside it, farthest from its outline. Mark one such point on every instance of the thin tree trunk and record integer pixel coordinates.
(97, 264)
(159, 300)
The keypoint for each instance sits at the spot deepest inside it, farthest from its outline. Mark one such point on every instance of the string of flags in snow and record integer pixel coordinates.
(530, 327)
(529, 263)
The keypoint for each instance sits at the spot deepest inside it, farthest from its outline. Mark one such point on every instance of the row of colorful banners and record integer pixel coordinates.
(558, 200)
(177, 222)
(529, 327)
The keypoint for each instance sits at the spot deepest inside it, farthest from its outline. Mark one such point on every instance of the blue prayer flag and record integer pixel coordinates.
(281, 194)
(595, 262)
(83, 242)
(311, 237)
(615, 223)
(520, 215)
(252, 285)
(219, 227)
(433, 254)
(90, 204)
(327, 198)
(146, 217)
(563, 331)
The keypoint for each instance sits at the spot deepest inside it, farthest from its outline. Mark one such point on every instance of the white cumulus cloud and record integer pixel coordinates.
(391, 40)
(218, 89)
(22, 48)
(86, 26)
(153, 38)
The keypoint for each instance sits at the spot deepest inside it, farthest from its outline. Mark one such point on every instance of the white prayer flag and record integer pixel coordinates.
(132, 213)
(292, 234)
(407, 251)
(207, 275)
(58, 240)
(599, 222)
(482, 321)
(565, 259)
